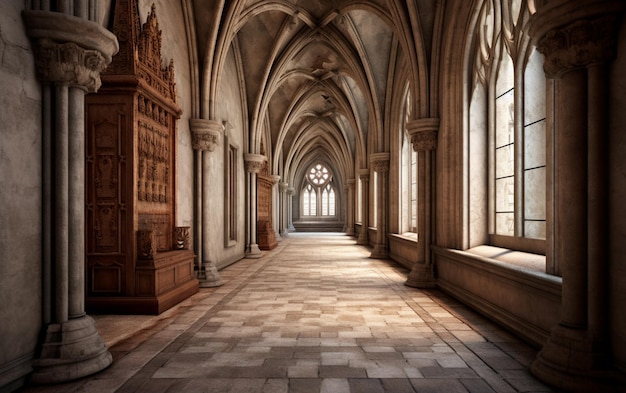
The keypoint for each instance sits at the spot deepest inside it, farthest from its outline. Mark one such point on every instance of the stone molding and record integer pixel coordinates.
(69, 50)
(364, 174)
(205, 134)
(423, 133)
(380, 162)
(579, 44)
(274, 179)
(351, 182)
(254, 162)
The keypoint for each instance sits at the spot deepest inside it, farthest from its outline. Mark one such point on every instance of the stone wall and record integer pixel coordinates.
(20, 197)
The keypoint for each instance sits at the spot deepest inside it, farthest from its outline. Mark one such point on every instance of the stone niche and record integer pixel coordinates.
(137, 260)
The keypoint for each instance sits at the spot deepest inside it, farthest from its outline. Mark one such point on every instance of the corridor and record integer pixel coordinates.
(316, 314)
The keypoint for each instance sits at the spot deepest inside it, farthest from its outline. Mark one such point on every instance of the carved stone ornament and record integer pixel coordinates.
(380, 162)
(181, 238)
(69, 50)
(205, 134)
(254, 162)
(291, 191)
(282, 186)
(274, 178)
(579, 44)
(146, 244)
(423, 133)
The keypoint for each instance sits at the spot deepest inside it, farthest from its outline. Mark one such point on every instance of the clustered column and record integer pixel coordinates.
(254, 163)
(577, 53)
(380, 164)
(364, 176)
(423, 134)
(349, 227)
(205, 137)
(70, 53)
(290, 193)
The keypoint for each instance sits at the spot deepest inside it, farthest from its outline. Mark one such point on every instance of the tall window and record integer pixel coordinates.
(318, 194)
(507, 116)
(408, 176)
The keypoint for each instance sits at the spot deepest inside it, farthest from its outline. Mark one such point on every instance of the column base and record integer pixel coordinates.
(421, 276)
(71, 350)
(571, 361)
(254, 251)
(363, 239)
(208, 277)
(379, 252)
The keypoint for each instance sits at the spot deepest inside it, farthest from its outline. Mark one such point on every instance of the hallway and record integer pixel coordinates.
(316, 314)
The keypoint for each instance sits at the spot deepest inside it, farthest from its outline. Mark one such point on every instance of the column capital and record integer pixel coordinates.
(274, 179)
(364, 174)
(575, 34)
(205, 133)
(254, 162)
(350, 182)
(380, 161)
(291, 190)
(69, 50)
(423, 133)
(283, 187)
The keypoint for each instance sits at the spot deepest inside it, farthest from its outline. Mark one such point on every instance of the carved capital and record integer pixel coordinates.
(579, 44)
(423, 133)
(274, 178)
(205, 133)
(283, 187)
(69, 50)
(254, 162)
(291, 191)
(181, 238)
(380, 162)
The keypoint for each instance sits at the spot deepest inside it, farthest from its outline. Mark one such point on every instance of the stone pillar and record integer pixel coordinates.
(276, 204)
(290, 193)
(380, 164)
(364, 175)
(70, 54)
(577, 51)
(254, 163)
(349, 227)
(205, 137)
(284, 204)
(423, 134)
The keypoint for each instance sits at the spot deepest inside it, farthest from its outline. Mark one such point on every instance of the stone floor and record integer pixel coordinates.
(316, 314)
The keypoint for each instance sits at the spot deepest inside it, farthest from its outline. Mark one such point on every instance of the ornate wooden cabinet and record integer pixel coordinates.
(137, 261)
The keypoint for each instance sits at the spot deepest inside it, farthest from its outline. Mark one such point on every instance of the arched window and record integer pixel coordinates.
(507, 132)
(408, 175)
(318, 194)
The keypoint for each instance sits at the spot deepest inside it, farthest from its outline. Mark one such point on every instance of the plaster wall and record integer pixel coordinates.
(174, 46)
(617, 207)
(20, 197)
(229, 108)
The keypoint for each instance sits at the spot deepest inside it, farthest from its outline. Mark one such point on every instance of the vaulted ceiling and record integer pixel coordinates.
(319, 75)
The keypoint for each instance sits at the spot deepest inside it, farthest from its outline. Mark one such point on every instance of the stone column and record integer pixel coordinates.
(364, 175)
(290, 193)
(423, 134)
(576, 50)
(380, 164)
(70, 54)
(349, 227)
(284, 203)
(276, 204)
(254, 163)
(205, 137)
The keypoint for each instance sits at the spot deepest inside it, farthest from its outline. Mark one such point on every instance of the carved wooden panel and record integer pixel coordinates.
(132, 250)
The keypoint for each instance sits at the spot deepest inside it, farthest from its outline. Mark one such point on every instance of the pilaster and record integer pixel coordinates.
(364, 176)
(253, 163)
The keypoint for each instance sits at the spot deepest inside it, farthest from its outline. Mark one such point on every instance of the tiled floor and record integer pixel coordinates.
(313, 315)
